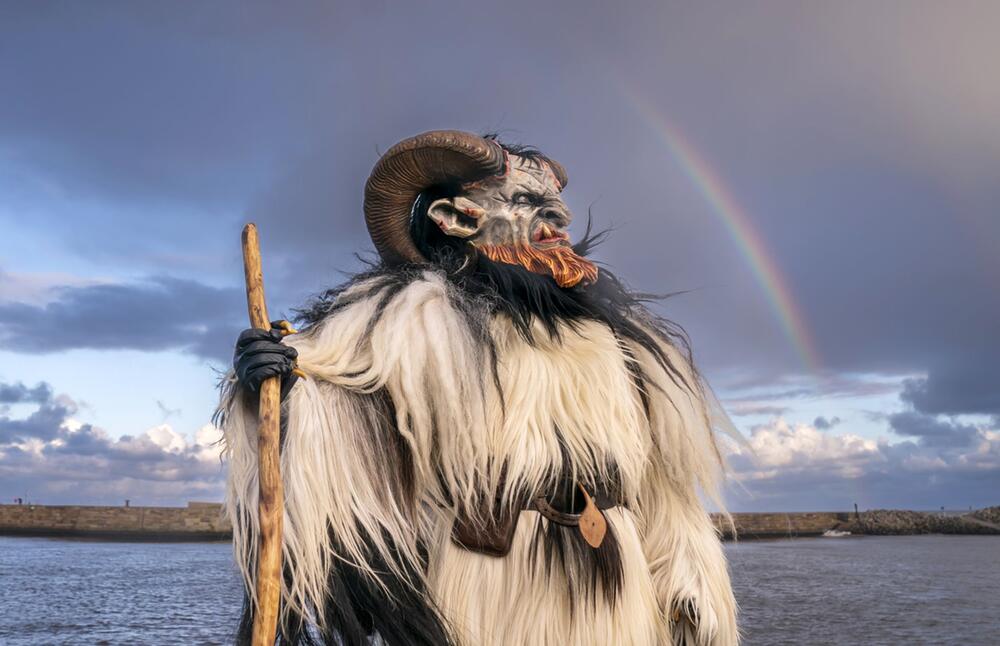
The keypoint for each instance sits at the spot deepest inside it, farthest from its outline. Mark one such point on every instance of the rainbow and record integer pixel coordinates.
(740, 228)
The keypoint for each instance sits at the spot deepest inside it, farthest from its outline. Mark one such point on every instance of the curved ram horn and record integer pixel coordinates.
(412, 166)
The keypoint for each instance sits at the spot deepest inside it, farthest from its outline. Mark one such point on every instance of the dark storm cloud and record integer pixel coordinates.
(152, 102)
(41, 457)
(151, 129)
(970, 386)
(157, 130)
(758, 389)
(861, 145)
(161, 314)
(17, 393)
(42, 424)
(931, 430)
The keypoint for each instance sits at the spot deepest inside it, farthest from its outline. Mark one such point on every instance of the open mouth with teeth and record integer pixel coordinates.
(545, 235)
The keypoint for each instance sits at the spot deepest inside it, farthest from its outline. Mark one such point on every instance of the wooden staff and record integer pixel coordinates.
(269, 508)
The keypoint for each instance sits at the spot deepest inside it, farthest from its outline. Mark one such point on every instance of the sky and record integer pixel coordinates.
(819, 180)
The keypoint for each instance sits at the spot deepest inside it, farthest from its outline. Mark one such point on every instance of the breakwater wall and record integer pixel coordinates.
(205, 521)
(785, 525)
(199, 521)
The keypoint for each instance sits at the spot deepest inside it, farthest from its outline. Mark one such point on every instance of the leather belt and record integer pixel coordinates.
(567, 519)
(571, 506)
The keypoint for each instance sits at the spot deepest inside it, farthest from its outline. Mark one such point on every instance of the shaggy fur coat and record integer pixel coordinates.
(427, 395)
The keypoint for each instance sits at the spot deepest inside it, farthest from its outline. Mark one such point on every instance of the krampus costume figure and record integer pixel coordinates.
(495, 444)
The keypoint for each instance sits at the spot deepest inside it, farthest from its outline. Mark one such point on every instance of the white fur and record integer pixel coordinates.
(450, 414)
(515, 600)
(681, 543)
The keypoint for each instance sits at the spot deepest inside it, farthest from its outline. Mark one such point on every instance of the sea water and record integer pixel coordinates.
(852, 590)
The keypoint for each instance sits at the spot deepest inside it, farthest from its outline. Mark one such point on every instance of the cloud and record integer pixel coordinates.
(970, 386)
(748, 408)
(763, 389)
(36, 287)
(880, 147)
(45, 423)
(162, 313)
(940, 461)
(180, 91)
(18, 393)
(860, 146)
(932, 431)
(798, 467)
(779, 447)
(49, 457)
(823, 424)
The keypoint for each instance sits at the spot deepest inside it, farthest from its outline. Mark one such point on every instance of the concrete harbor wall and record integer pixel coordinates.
(784, 525)
(205, 521)
(198, 521)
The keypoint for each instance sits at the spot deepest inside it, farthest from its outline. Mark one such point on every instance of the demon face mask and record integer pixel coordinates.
(508, 206)
(517, 218)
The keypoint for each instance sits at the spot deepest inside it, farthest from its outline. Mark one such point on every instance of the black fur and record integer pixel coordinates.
(530, 153)
(588, 571)
(358, 608)
(397, 608)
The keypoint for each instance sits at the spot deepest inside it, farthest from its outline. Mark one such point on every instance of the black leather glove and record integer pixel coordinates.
(260, 355)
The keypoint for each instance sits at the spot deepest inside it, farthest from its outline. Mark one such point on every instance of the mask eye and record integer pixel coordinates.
(554, 217)
(528, 198)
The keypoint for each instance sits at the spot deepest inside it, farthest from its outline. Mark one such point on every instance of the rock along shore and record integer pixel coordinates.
(892, 522)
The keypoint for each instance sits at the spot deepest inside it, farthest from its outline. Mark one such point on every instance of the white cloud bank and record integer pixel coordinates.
(794, 466)
(49, 456)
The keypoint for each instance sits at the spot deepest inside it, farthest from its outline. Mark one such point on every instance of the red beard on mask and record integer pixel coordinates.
(560, 262)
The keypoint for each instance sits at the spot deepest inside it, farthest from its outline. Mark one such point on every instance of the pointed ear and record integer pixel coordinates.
(457, 216)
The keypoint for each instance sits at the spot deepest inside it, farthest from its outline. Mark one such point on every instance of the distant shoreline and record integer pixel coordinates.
(205, 521)
(198, 521)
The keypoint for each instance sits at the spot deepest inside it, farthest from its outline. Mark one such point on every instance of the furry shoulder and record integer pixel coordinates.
(385, 324)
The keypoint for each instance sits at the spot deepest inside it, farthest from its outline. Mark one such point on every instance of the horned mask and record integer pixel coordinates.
(509, 206)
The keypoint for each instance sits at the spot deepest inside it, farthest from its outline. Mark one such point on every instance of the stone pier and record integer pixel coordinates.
(199, 521)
